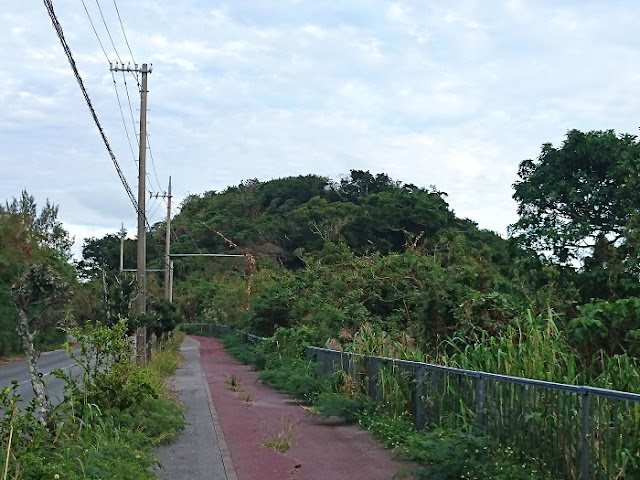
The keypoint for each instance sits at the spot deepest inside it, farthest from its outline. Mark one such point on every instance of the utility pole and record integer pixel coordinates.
(170, 281)
(122, 233)
(167, 245)
(141, 300)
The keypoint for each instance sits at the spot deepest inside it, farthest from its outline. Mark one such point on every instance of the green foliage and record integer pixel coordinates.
(109, 379)
(104, 253)
(50, 339)
(295, 377)
(443, 454)
(618, 372)
(29, 237)
(611, 326)
(255, 355)
(164, 317)
(450, 454)
(580, 192)
(281, 367)
(531, 347)
(20, 432)
(91, 434)
(331, 404)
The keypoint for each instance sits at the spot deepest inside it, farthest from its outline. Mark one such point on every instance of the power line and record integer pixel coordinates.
(157, 206)
(58, 28)
(153, 163)
(108, 32)
(95, 31)
(124, 78)
(124, 124)
(123, 32)
(92, 26)
(133, 121)
(175, 236)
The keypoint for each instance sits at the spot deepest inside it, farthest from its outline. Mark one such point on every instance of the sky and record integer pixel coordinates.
(451, 94)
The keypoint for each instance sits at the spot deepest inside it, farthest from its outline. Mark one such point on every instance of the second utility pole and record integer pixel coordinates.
(167, 247)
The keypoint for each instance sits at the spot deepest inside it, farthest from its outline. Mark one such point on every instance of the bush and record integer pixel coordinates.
(336, 405)
(296, 378)
(112, 417)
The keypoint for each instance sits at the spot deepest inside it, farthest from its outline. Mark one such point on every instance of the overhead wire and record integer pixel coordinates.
(124, 80)
(104, 21)
(133, 121)
(106, 27)
(94, 29)
(124, 124)
(157, 206)
(65, 46)
(175, 237)
(124, 34)
(153, 164)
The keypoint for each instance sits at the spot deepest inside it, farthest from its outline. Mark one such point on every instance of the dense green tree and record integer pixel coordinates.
(104, 253)
(384, 219)
(360, 184)
(28, 236)
(579, 206)
(579, 196)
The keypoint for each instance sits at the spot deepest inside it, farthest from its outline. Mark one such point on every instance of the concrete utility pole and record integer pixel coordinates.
(167, 244)
(141, 300)
(122, 233)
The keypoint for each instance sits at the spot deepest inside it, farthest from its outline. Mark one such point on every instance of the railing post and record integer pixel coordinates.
(372, 371)
(479, 405)
(584, 457)
(309, 354)
(418, 394)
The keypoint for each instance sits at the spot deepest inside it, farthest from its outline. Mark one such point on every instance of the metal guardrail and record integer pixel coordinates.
(217, 330)
(577, 432)
(204, 329)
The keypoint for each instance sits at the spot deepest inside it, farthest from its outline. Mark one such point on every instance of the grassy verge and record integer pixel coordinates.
(108, 424)
(443, 454)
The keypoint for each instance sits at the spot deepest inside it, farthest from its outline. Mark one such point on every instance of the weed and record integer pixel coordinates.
(246, 396)
(284, 438)
(233, 383)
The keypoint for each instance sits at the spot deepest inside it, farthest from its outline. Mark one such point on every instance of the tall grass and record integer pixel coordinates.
(531, 347)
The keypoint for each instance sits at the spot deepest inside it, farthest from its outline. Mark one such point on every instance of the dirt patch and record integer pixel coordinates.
(17, 358)
(312, 448)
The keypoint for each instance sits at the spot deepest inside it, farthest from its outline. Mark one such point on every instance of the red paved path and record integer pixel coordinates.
(322, 450)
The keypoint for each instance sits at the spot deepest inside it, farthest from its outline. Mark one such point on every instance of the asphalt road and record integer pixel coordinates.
(47, 362)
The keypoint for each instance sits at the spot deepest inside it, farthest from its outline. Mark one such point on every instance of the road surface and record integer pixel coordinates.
(48, 361)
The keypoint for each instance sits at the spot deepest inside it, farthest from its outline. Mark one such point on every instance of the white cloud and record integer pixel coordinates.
(426, 92)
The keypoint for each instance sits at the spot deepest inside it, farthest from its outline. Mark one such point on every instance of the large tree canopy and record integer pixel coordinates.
(580, 196)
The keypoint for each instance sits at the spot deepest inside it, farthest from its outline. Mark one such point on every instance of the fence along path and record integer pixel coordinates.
(579, 432)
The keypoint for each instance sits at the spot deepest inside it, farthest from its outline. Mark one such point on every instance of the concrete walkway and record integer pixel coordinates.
(201, 451)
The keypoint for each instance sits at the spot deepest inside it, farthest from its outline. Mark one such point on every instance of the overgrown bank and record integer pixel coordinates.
(108, 423)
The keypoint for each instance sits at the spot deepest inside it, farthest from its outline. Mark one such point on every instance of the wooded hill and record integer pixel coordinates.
(327, 258)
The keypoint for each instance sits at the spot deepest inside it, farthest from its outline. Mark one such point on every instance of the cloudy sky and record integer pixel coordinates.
(447, 93)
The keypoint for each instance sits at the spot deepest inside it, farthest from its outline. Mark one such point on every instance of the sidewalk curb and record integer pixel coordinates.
(222, 442)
